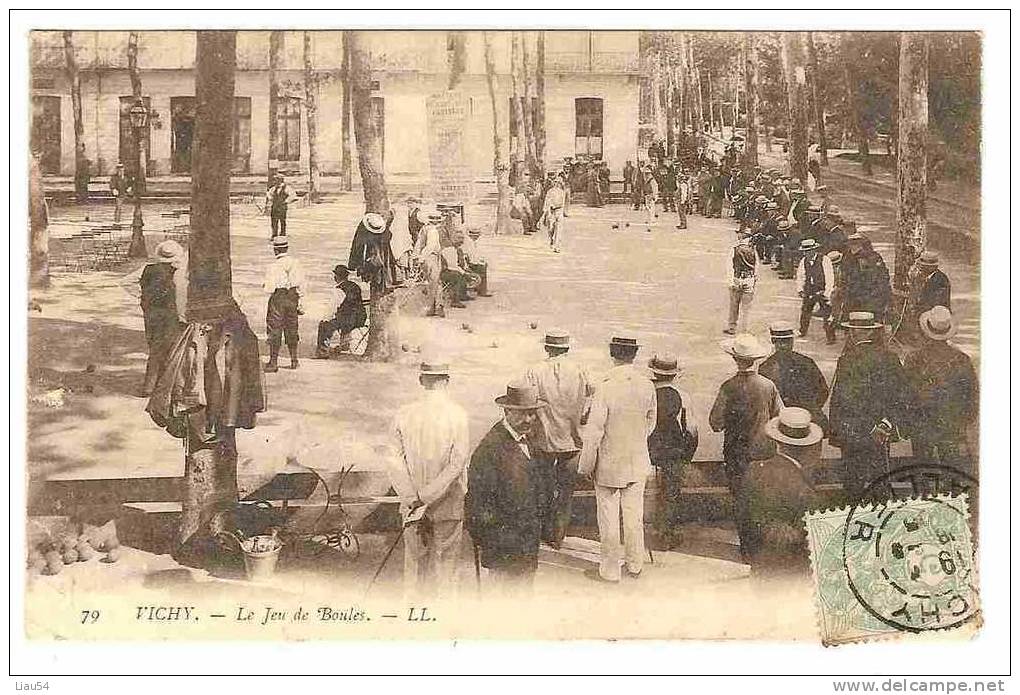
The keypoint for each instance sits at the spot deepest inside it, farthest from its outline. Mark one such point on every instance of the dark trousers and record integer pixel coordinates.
(669, 201)
(161, 337)
(282, 320)
(328, 328)
(670, 479)
(747, 530)
(278, 222)
(864, 462)
(514, 574)
(482, 271)
(807, 308)
(457, 284)
(557, 478)
(788, 263)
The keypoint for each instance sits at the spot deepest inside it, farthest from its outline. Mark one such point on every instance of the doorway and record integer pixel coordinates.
(45, 139)
(588, 130)
(182, 133)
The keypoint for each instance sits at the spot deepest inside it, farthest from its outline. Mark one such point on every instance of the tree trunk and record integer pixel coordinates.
(699, 100)
(796, 92)
(345, 116)
(750, 101)
(528, 111)
(670, 110)
(275, 58)
(819, 114)
(312, 119)
(857, 119)
(517, 108)
(540, 103)
(500, 165)
(38, 228)
(210, 468)
(137, 248)
(911, 155)
(367, 137)
(849, 114)
(81, 163)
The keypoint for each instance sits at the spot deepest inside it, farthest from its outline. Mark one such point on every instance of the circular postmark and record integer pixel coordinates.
(910, 562)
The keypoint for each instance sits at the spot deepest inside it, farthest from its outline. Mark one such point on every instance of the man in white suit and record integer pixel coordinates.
(615, 455)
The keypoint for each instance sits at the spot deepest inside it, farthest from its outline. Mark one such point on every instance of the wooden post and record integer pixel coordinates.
(81, 162)
(210, 469)
(819, 108)
(911, 155)
(500, 163)
(311, 117)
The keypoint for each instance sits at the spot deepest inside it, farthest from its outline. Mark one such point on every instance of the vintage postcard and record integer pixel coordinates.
(539, 334)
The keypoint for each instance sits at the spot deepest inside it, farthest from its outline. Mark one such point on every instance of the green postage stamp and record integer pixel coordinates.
(905, 565)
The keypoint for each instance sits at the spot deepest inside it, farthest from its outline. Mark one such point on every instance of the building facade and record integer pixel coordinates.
(591, 98)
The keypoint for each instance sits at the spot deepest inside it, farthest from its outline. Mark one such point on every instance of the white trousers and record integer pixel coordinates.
(609, 501)
(431, 571)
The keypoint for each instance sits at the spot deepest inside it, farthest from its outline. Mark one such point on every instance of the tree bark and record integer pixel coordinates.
(911, 155)
(367, 137)
(670, 107)
(500, 163)
(81, 162)
(517, 108)
(540, 102)
(699, 100)
(751, 101)
(819, 112)
(345, 116)
(856, 115)
(38, 228)
(796, 92)
(275, 58)
(210, 468)
(457, 58)
(311, 118)
(529, 118)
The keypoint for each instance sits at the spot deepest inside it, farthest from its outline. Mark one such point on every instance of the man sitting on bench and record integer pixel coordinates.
(346, 312)
(476, 262)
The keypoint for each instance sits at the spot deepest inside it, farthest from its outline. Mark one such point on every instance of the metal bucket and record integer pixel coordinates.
(260, 564)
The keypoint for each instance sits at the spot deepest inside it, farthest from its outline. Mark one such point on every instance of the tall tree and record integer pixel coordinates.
(38, 228)
(500, 159)
(275, 59)
(345, 115)
(210, 470)
(819, 107)
(668, 90)
(366, 130)
(81, 162)
(517, 155)
(796, 87)
(139, 155)
(457, 57)
(311, 117)
(856, 114)
(528, 107)
(911, 154)
(751, 100)
(540, 100)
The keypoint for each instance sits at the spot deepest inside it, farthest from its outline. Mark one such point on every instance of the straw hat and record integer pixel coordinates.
(744, 346)
(864, 320)
(520, 396)
(665, 364)
(793, 426)
(809, 245)
(168, 251)
(938, 323)
(374, 222)
(280, 243)
(929, 258)
(780, 330)
(619, 341)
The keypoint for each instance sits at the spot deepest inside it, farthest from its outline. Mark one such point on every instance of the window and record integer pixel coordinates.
(588, 130)
(288, 133)
(242, 135)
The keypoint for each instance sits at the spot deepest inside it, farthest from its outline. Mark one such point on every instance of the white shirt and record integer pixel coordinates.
(428, 241)
(826, 271)
(284, 272)
(336, 298)
(432, 442)
(470, 249)
(521, 440)
(554, 198)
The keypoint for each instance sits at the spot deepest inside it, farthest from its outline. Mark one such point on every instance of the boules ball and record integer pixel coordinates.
(70, 556)
(533, 325)
(113, 554)
(494, 343)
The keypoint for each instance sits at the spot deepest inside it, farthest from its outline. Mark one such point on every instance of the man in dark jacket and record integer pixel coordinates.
(800, 382)
(346, 312)
(671, 445)
(945, 386)
(934, 286)
(870, 400)
(163, 283)
(866, 278)
(501, 506)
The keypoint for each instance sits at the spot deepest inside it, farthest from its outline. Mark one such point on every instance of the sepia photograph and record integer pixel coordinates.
(432, 333)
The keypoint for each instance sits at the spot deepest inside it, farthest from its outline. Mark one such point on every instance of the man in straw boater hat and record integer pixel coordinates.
(671, 445)
(799, 380)
(428, 252)
(164, 289)
(781, 490)
(284, 283)
(615, 455)
(928, 287)
(745, 402)
(502, 505)
(945, 395)
(431, 436)
(556, 441)
(741, 279)
(836, 299)
(371, 256)
(815, 282)
(870, 400)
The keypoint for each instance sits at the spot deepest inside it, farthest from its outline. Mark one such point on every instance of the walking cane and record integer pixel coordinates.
(382, 564)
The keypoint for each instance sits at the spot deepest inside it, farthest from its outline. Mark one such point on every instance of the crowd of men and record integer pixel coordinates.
(513, 492)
